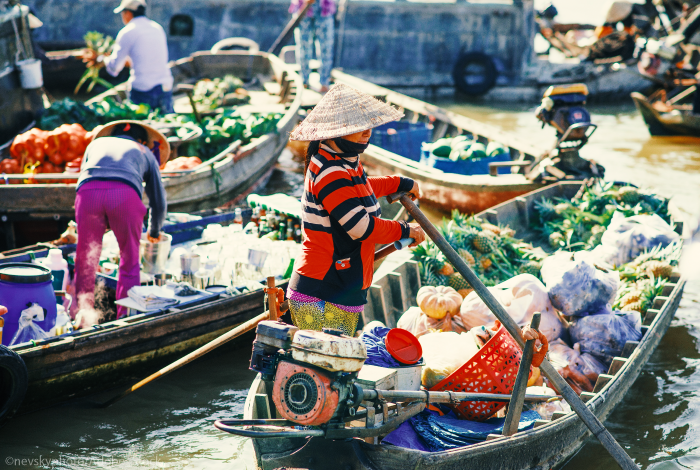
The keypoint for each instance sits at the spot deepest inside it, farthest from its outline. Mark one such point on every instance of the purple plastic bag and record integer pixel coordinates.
(604, 335)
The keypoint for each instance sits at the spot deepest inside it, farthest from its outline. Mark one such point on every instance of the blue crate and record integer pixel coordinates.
(406, 141)
(464, 167)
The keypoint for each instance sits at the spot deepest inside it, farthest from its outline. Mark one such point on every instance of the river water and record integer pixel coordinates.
(169, 424)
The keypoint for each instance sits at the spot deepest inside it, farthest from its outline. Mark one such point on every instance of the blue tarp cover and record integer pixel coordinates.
(430, 432)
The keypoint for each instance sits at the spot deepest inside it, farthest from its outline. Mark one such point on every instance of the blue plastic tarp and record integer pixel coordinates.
(430, 432)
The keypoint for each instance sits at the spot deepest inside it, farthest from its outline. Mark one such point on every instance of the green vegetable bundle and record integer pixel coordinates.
(579, 224)
(212, 94)
(102, 46)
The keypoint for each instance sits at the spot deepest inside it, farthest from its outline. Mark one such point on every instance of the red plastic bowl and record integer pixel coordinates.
(403, 346)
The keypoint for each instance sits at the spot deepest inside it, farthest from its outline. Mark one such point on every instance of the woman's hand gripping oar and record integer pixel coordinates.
(589, 419)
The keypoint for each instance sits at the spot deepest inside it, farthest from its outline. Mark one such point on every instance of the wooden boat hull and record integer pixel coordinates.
(113, 352)
(231, 176)
(682, 123)
(543, 447)
(446, 191)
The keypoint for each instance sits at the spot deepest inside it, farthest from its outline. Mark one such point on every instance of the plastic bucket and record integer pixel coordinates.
(30, 74)
(491, 370)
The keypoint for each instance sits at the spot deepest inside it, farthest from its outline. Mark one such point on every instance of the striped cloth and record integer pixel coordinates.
(342, 223)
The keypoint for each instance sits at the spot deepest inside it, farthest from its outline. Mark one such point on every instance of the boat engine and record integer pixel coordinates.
(313, 373)
(563, 107)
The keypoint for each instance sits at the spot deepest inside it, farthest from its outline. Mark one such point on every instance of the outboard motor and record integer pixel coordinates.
(564, 108)
(313, 372)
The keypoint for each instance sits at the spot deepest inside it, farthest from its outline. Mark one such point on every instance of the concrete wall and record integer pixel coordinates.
(390, 42)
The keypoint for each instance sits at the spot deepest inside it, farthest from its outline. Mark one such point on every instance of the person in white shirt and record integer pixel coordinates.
(143, 45)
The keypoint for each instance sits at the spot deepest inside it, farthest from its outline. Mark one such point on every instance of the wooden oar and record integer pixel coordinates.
(510, 425)
(589, 419)
(196, 354)
(287, 31)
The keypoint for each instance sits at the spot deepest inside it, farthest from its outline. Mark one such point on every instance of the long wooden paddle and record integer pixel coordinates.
(510, 425)
(273, 313)
(589, 419)
(287, 31)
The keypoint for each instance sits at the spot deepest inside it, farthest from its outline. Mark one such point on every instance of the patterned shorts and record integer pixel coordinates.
(310, 313)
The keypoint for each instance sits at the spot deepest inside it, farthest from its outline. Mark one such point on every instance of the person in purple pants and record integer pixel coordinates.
(123, 156)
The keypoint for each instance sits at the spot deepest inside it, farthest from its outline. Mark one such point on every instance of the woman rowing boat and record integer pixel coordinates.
(340, 212)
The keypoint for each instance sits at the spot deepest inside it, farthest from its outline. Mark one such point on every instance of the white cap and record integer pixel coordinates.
(130, 5)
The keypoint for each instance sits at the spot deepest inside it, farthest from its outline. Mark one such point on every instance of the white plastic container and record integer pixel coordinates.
(59, 268)
(408, 378)
(30, 74)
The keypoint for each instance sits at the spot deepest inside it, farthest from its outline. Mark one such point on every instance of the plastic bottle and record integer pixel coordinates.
(238, 216)
(63, 323)
(297, 234)
(290, 230)
(59, 270)
(255, 218)
(263, 228)
(282, 232)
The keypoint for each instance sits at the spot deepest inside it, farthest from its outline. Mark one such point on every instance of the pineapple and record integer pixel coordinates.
(634, 306)
(446, 270)
(562, 207)
(629, 195)
(507, 232)
(556, 239)
(658, 269)
(490, 227)
(546, 208)
(485, 263)
(530, 268)
(646, 208)
(483, 243)
(465, 292)
(630, 298)
(467, 256)
(457, 282)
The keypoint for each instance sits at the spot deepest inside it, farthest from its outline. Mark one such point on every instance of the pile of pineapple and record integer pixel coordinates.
(492, 251)
(644, 278)
(579, 224)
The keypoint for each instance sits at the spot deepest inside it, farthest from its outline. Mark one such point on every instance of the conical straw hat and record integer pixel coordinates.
(344, 111)
(154, 135)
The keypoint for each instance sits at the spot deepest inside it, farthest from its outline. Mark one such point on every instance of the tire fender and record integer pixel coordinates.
(475, 73)
(13, 382)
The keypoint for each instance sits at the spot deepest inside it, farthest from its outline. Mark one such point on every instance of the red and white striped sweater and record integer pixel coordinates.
(342, 223)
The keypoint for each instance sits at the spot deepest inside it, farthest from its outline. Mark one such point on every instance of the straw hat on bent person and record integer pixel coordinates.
(154, 136)
(341, 112)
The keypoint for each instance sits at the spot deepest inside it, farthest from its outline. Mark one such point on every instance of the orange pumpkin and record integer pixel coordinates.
(437, 302)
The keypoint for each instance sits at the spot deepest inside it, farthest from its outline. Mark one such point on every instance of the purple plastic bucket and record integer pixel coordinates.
(22, 284)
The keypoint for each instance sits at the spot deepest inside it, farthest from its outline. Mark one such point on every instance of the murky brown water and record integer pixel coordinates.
(169, 424)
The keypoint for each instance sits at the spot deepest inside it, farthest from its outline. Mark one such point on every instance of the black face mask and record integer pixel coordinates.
(347, 146)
